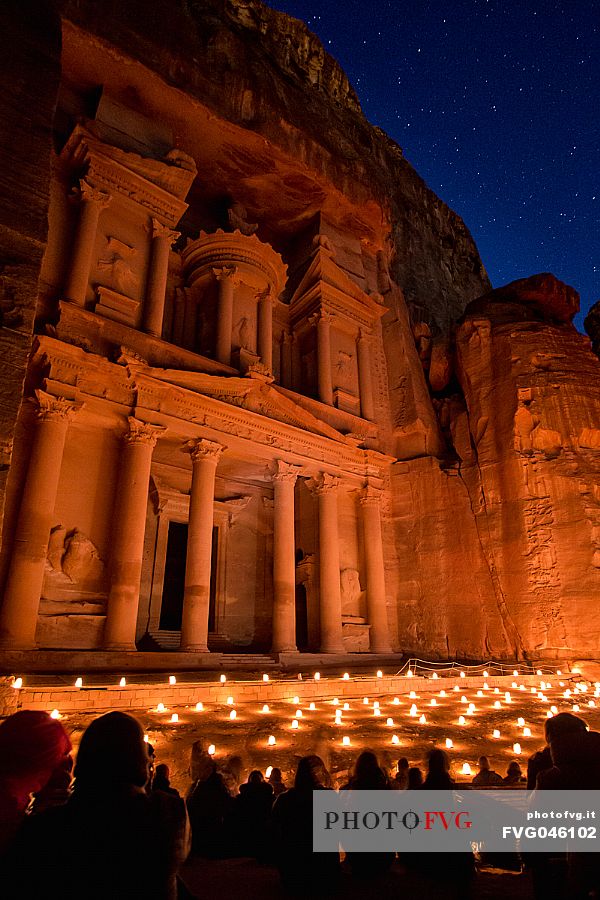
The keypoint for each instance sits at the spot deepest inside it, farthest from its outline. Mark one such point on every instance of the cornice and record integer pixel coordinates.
(72, 373)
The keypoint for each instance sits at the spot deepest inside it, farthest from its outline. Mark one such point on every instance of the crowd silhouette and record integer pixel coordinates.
(113, 826)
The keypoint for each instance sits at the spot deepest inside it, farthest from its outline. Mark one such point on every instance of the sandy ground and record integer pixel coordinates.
(247, 735)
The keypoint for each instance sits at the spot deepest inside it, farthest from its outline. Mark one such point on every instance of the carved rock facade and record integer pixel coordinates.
(248, 419)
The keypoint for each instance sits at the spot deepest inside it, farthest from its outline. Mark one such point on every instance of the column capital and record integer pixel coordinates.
(226, 273)
(370, 496)
(283, 471)
(203, 449)
(142, 432)
(287, 338)
(267, 296)
(322, 317)
(87, 193)
(159, 230)
(323, 483)
(364, 336)
(54, 408)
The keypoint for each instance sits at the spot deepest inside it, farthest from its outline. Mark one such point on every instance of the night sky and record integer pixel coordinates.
(497, 106)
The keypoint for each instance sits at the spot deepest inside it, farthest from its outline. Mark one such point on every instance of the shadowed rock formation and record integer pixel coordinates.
(592, 326)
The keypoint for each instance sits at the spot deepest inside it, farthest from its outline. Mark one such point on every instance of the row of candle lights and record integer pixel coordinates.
(413, 713)
(17, 682)
(516, 747)
(580, 688)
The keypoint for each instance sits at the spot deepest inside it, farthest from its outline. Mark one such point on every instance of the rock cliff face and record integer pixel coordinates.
(267, 72)
(514, 519)
(30, 62)
(592, 326)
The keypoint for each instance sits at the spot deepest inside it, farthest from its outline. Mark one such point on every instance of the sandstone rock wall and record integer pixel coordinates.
(268, 73)
(30, 63)
(512, 523)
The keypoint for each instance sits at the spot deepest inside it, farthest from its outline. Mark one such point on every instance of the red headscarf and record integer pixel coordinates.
(32, 746)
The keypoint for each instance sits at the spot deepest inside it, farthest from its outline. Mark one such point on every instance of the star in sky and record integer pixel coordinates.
(496, 106)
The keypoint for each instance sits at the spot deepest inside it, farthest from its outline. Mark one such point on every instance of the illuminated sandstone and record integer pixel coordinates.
(246, 421)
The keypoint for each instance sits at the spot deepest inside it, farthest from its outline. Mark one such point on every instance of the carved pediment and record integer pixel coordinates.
(159, 186)
(173, 174)
(247, 393)
(325, 277)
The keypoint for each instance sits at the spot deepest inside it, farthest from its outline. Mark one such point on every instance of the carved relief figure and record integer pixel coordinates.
(115, 261)
(244, 337)
(71, 555)
(351, 592)
(344, 368)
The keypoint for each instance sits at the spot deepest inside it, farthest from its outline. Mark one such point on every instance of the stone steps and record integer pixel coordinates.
(166, 640)
(217, 643)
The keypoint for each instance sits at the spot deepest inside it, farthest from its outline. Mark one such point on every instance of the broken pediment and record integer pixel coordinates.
(325, 280)
(158, 185)
(254, 395)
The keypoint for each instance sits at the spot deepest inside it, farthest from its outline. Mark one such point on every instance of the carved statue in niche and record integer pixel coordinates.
(244, 337)
(71, 555)
(344, 368)
(238, 219)
(351, 591)
(115, 261)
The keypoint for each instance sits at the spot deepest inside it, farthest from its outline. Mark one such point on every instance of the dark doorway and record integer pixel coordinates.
(171, 609)
(301, 618)
(212, 606)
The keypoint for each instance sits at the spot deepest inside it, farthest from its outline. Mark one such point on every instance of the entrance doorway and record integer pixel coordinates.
(171, 610)
(301, 618)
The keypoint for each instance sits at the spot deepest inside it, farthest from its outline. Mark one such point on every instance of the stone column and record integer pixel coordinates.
(265, 329)
(370, 501)
(154, 305)
(127, 541)
(19, 612)
(330, 609)
(196, 597)
(284, 558)
(227, 279)
(92, 202)
(323, 322)
(365, 378)
(285, 374)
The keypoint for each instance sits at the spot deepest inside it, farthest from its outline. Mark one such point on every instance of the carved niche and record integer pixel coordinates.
(75, 574)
